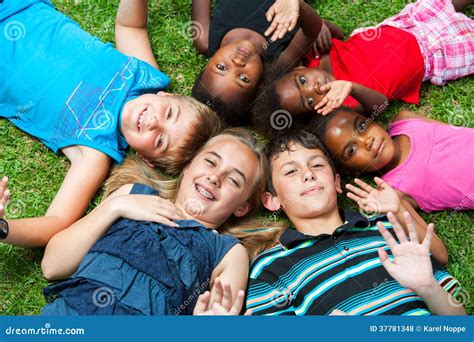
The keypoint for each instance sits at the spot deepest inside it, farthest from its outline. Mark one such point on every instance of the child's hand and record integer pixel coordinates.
(222, 304)
(147, 208)
(284, 15)
(4, 196)
(338, 91)
(412, 264)
(380, 200)
(323, 42)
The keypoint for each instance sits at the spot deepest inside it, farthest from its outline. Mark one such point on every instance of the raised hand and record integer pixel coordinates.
(4, 195)
(147, 208)
(337, 92)
(411, 266)
(323, 42)
(283, 16)
(222, 303)
(380, 200)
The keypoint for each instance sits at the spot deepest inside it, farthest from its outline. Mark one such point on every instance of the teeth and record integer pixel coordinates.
(140, 120)
(204, 192)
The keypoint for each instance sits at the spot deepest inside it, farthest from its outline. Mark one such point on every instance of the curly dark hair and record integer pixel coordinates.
(230, 114)
(267, 110)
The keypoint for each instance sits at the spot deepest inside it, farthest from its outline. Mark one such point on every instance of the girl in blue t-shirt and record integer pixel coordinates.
(142, 254)
(90, 101)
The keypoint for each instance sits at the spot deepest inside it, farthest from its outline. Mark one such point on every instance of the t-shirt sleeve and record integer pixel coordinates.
(223, 244)
(148, 79)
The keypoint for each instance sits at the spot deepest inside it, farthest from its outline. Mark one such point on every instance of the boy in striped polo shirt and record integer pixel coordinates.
(336, 261)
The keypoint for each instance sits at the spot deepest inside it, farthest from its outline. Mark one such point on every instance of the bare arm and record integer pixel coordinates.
(202, 15)
(311, 24)
(371, 100)
(336, 31)
(131, 33)
(88, 171)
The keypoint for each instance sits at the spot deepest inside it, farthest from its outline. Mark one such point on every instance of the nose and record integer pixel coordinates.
(214, 179)
(309, 175)
(153, 122)
(238, 60)
(369, 143)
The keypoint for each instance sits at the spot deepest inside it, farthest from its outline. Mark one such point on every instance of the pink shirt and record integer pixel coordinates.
(439, 170)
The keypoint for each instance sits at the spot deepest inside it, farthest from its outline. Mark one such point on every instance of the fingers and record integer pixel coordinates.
(389, 239)
(386, 262)
(219, 291)
(271, 29)
(411, 227)
(359, 192)
(381, 183)
(402, 237)
(428, 237)
(163, 220)
(202, 303)
(322, 103)
(227, 298)
(363, 185)
(239, 302)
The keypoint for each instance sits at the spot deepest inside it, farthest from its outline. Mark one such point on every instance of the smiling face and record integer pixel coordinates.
(234, 72)
(219, 181)
(299, 90)
(156, 125)
(304, 182)
(358, 144)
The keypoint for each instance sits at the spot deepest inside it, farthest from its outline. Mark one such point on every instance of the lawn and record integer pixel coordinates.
(36, 173)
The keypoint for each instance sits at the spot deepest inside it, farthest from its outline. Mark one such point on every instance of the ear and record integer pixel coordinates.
(270, 202)
(145, 159)
(243, 210)
(337, 183)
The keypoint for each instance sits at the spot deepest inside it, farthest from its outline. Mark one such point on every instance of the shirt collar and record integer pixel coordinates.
(350, 217)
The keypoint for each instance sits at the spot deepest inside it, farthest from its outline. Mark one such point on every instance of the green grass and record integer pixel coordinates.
(36, 173)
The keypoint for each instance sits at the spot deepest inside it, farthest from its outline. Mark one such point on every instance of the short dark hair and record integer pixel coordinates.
(231, 115)
(284, 141)
(267, 103)
(318, 125)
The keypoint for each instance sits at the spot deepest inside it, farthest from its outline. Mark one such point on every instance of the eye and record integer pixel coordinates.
(244, 79)
(317, 166)
(170, 114)
(361, 126)
(310, 102)
(233, 181)
(220, 67)
(351, 150)
(210, 162)
(160, 141)
(302, 79)
(289, 172)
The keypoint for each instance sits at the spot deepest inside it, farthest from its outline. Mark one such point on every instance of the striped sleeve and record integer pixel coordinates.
(266, 299)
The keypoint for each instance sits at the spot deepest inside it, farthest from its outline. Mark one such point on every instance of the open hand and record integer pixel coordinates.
(147, 208)
(371, 200)
(411, 266)
(337, 92)
(222, 303)
(283, 16)
(4, 195)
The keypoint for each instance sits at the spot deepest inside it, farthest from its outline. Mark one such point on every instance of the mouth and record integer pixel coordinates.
(380, 149)
(312, 191)
(140, 117)
(245, 52)
(204, 193)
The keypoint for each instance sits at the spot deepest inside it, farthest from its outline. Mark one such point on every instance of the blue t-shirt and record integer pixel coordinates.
(63, 85)
(142, 268)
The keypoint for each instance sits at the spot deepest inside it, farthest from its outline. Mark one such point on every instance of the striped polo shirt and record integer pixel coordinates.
(313, 275)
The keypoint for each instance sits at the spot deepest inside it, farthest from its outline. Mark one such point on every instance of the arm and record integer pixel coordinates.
(385, 199)
(202, 15)
(87, 173)
(323, 43)
(412, 266)
(311, 25)
(229, 280)
(337, 92)
(131, 34)
(64, 252)
(336, 31)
